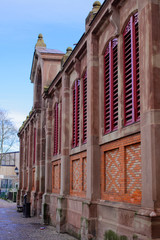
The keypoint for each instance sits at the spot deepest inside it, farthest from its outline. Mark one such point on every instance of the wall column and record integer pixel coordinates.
(65, 160)
(65, 169)
(36, 175)
(19, 193)
(149, 37)
(48, 164)
(25, 161)
(42, 159)
(149, 22)
(93, 149)
(43, 145)
(30, 143)
(38, 147)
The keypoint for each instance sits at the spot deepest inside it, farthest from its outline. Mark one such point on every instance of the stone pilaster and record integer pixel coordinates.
(38, 147)
(42, 159)
(88, 220)
(65, 168)
(149, 21)
(30, 154)
(88, 223)
(19, 200)
(147, 220)
(42, 153)
(65, 160)
(25, 161)
(37, 164)
(23, 172)
(93, 150)
(48, 164)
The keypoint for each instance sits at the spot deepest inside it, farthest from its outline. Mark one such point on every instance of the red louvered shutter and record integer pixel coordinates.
(85, 108)
(76, 113)
(111, 87)
(34, 157)
(74, 119)
(60, 129)
(55, 129)
(114, 121)
(137, 68)
(131, 72)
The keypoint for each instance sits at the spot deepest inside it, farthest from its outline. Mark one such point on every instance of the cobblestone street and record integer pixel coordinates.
(13, 226)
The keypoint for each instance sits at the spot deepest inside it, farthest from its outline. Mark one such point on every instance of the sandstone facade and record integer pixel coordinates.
(89, 150)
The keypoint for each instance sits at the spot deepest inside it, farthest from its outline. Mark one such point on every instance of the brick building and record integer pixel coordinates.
(9, 171)
(89, 149)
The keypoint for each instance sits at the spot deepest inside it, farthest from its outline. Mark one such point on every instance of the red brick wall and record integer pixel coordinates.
(78, 174)
(56, 176)
(121, 170)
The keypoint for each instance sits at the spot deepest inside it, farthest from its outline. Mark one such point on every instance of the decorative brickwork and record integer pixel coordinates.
(78, 174)
(56, 176)
(76, 182)
(121, 170)
(112, 171)
(84, 174)
(133, 169)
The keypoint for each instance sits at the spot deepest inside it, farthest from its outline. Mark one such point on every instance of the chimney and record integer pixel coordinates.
(91, 15)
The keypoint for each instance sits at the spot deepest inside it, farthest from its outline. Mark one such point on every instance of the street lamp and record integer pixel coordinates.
(16, 171)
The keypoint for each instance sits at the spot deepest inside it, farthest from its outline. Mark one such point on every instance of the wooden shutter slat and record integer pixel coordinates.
(111, 87)
(55, 152)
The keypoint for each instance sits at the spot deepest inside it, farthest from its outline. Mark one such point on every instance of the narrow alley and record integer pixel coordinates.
(13, 226)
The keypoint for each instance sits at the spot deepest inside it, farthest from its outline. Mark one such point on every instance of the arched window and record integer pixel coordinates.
(131, 72)
(76, 114)
(34, 150)
(55, 151)
(60, 128)
(85, 108)
(111, 87)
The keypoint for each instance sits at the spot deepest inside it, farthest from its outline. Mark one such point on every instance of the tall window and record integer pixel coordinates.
(85, 108)
(111, 87)
(76, 114)
(60, 128)
(131, 72)
(27, 152)
(34, 157)
(55, 129)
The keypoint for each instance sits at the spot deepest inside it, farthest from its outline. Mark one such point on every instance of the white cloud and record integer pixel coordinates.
(17, 118)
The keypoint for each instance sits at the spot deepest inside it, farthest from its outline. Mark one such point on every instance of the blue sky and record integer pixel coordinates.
(62, 23)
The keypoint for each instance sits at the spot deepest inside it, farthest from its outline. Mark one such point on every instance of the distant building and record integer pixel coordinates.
(8, 171)
(90, 148)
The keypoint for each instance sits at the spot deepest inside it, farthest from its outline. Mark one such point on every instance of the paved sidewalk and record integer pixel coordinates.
(13, 226)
